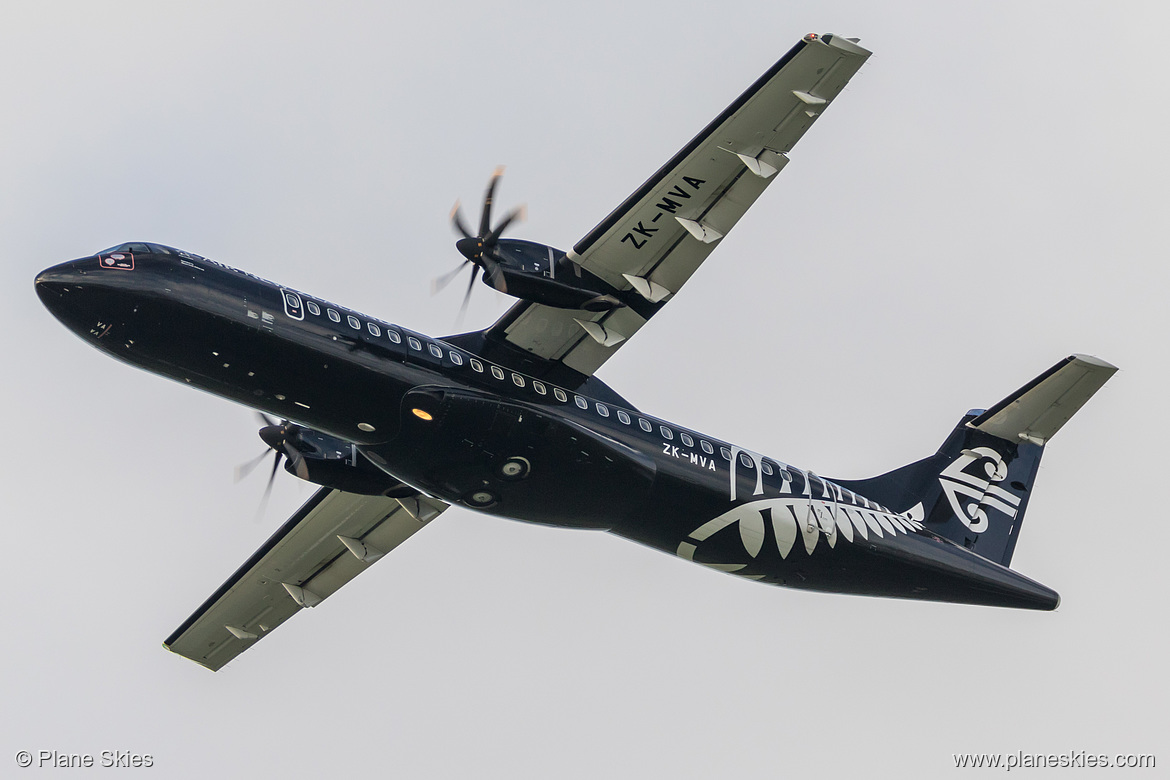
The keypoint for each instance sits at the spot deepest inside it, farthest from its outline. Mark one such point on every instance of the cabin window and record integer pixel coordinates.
(435, 351)
(476, 366)
(623, 418)
(706, 445)
(645, 425)
(726, 453)
(784, 475)
(353, 322)
(497, 372)
(456, 358)
(334, 315)
(374, 329)
(687, 440)
(560, 394)
(746, 460)
(602, 410)
(414, 343)
(517, 380)
(393, 336)
(314, 309)
(766, 466)
(581, 402)
(666, 432)
(539, 387)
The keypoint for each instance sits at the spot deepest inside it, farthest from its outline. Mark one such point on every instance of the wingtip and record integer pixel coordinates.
(1096, 362)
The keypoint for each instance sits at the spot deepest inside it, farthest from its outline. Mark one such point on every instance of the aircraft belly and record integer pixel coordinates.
(513, 459)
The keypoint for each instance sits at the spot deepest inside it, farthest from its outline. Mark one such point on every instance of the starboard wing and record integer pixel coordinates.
(655, 240)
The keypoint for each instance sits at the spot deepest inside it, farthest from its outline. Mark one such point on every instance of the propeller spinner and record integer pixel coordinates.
(276, 436)
(480, 249)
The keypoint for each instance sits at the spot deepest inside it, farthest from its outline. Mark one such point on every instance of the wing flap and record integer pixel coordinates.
(333, 538)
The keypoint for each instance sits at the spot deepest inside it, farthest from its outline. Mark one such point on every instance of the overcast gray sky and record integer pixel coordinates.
(986, 197)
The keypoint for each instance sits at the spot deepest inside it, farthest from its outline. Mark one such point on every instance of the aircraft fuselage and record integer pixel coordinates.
(446, 422)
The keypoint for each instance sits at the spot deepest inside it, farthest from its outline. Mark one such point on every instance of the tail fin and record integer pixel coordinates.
(975, 489)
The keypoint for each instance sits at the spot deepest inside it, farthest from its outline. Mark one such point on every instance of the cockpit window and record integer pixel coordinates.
(133, 248)
(146, 248)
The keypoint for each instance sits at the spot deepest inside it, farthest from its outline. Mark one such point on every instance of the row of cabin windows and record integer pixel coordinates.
(540, 388)
(374, 329)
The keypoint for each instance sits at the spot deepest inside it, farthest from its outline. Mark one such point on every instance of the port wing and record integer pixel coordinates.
(333, 538)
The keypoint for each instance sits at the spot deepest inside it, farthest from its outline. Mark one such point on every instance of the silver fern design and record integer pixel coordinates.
(800, 517)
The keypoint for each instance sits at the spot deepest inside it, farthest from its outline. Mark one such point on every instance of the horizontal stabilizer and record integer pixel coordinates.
(1038, 410)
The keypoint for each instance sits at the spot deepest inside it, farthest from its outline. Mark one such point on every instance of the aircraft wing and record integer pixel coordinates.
(660, 235)
(328, 542)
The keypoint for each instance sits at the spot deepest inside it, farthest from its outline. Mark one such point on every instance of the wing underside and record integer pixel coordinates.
(655, 240)
(328, 542)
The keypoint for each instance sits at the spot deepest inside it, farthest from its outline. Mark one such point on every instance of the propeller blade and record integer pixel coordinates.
(439, 282)
(494, 275)
(457, 221)
(466, 300)
(268, 489)
(297, 460)
(244, 469)
(485, 219)
(266, 419)
(519, 213)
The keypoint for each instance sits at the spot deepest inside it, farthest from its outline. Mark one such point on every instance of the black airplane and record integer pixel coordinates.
(513, 421)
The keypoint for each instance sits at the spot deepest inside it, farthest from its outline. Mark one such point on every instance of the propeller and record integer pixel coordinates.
(479, 249)
(276, 436)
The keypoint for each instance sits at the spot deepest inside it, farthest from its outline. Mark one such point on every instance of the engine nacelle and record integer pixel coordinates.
(542, 274)
(336, 463)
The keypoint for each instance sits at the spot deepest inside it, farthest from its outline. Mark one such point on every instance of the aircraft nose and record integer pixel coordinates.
(55, 283)
(58, 275)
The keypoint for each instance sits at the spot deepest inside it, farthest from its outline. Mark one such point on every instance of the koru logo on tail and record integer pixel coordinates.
(973, 475)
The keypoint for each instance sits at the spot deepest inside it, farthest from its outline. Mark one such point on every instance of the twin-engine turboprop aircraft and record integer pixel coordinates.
(513, 421)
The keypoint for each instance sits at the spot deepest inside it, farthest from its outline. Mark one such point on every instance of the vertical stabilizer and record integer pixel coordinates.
(975, 489)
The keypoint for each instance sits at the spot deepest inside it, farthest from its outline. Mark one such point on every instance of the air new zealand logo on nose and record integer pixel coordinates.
(962, 480)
